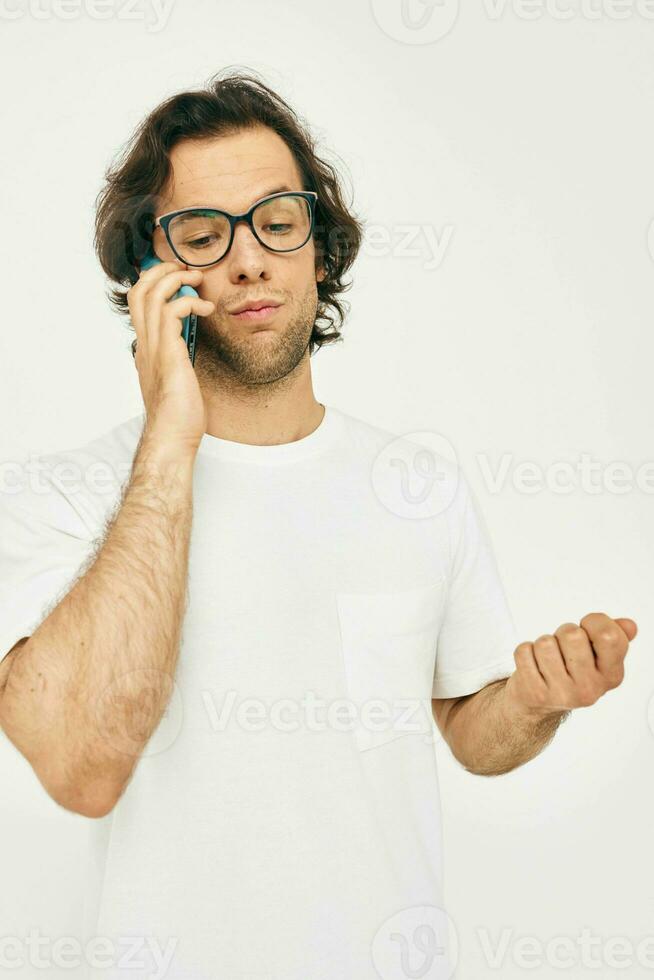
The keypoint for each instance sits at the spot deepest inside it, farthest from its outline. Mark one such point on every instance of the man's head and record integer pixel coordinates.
(231, 173)
(227, 146)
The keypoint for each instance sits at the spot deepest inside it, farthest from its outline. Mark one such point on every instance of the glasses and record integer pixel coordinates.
(202, 236)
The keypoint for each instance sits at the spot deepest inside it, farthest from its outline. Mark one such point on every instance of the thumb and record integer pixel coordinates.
(628, 626)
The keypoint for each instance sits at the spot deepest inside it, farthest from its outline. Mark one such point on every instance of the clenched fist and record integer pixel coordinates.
(572, 668)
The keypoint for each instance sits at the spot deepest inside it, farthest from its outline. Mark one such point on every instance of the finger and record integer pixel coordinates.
(629, 626)
(609, 641)
(136, 294)
(160, 269)
(158, 295)
(177, 309)
(549, 658)
(577, 651)
(533, 685)
(165, 287)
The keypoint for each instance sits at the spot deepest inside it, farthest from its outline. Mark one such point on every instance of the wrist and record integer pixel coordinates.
(163, 457)
(529, 713)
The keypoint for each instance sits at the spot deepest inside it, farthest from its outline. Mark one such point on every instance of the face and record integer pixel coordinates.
(231, 173)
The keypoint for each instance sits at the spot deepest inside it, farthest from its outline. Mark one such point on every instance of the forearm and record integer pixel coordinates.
(489, 735)
(85, 693)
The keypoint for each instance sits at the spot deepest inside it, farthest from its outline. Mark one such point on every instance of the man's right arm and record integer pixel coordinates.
(81, 697)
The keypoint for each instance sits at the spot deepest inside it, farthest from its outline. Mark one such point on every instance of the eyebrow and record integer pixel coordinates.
(278, 190)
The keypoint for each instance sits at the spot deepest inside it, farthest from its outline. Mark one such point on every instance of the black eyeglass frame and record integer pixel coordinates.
(164, 220)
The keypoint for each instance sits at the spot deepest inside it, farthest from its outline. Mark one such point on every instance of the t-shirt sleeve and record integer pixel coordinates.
(478, 635)
(44, 546)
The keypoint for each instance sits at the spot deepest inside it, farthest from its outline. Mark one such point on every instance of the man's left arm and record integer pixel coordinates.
(510, 721)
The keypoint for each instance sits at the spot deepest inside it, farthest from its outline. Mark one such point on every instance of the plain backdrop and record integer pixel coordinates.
(502, 159)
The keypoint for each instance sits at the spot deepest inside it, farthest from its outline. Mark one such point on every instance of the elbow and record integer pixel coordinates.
(488, 772)
(93, 800)
(491, 768)
(86, 806)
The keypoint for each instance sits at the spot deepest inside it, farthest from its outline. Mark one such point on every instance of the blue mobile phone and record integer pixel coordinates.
(189, 323)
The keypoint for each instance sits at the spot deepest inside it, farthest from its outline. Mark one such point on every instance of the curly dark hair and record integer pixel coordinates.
(229, 102)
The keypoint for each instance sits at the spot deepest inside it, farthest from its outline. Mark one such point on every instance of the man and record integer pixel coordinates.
(232, 684)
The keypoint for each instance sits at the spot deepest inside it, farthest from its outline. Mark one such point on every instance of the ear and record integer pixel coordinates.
(320, 274)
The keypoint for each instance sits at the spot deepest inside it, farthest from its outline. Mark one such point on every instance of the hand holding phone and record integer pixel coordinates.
(189, 323)
(163, 296)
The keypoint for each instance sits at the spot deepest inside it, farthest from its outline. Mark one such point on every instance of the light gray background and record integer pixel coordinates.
(521, 141)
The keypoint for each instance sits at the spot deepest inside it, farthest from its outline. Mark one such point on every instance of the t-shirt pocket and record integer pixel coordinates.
(388, 641)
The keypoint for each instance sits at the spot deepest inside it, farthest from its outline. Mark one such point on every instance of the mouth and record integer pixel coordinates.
(256, 315)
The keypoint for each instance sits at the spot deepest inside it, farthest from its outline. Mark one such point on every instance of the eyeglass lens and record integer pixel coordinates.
(281, 223)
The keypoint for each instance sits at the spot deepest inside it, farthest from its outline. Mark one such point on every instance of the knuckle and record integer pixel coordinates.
(571, 631)
(178, 306)
(607, 635)
(161, 292)
(589, 618)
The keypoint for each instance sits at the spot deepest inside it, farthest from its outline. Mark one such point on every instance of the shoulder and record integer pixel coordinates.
(73, 487)
(420, 465)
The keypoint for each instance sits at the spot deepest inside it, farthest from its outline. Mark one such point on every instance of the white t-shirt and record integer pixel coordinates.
(283, 822)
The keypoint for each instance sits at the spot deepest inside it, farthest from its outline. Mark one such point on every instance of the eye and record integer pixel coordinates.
(203, 242)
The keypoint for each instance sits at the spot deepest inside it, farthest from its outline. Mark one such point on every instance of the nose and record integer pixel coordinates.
(247, 255)
(244, 234)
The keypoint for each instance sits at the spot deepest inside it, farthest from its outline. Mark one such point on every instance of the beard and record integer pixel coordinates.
(229, 355)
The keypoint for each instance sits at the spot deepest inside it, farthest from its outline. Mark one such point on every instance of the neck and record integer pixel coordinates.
(266, 419)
